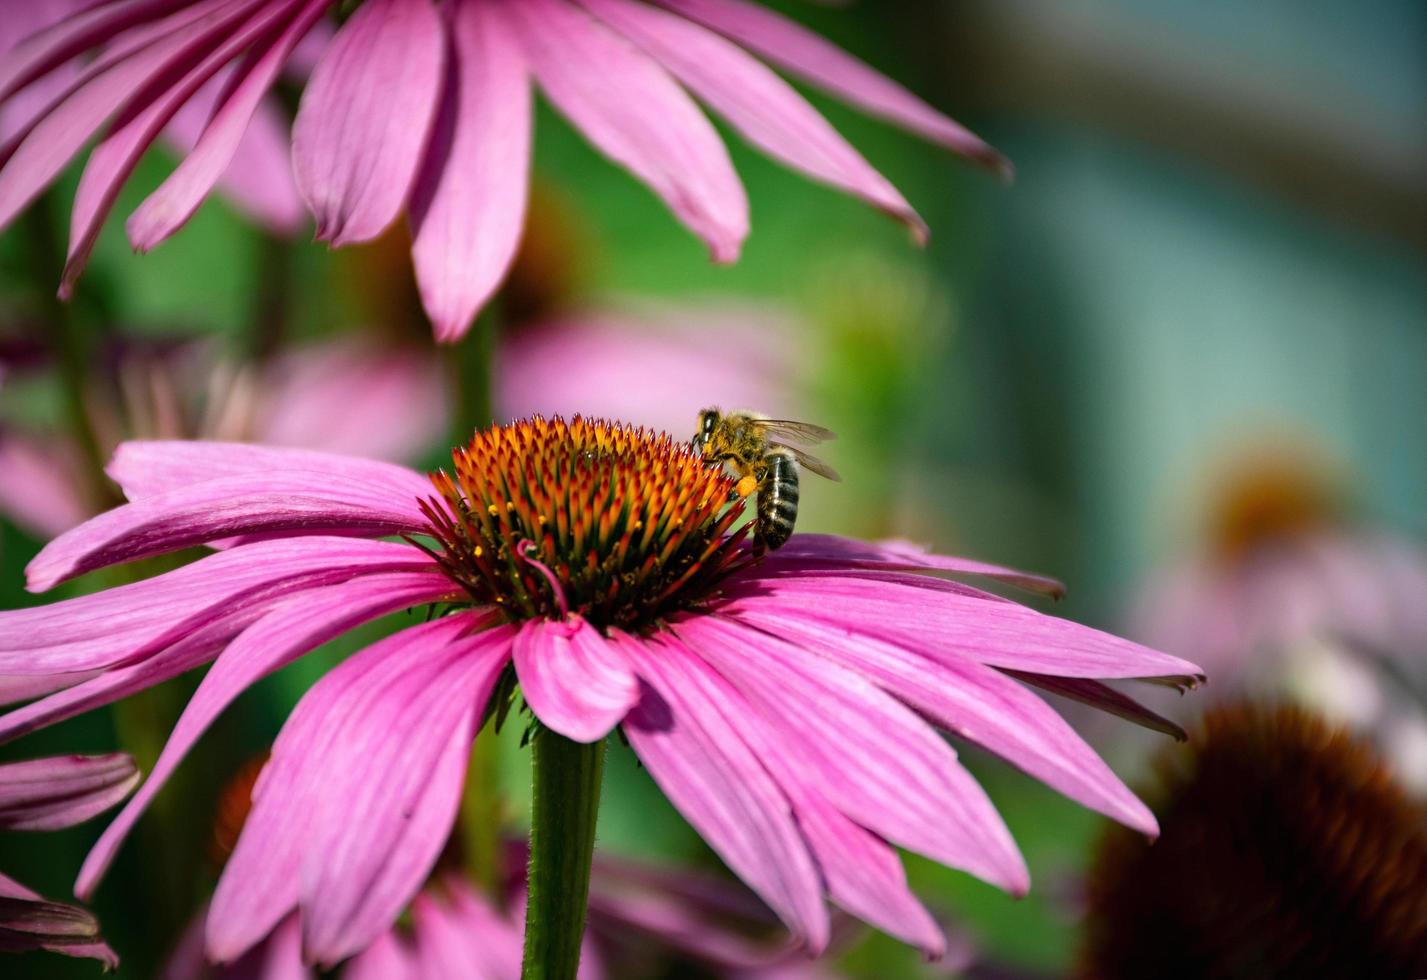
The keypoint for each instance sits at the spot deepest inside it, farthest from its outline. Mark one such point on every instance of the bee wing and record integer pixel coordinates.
(801, 433)
(811, 462)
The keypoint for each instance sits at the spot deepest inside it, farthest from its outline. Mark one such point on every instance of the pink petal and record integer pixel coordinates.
(466, 937)
(699, 758)
(401, 414)
(945, 626)
(873, 758)
(39, 484)
(143, 469)
(22, 22)
(389, 958)
(468, 207)
(978, 703)
(759, 104)
(117, 78)
(281, 636)
(629, 108)
(232, 133)
(49, 794)
(15, 688)
(302, 502)
(128, 622)
(810, 551)
(47, 50)
(575, 681)
(1105, 698)
(114, 159)
(361, 791)
(806, 55)
(34, 923)
(365, 116)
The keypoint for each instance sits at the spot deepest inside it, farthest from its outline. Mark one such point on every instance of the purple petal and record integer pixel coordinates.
(114, 159)
(697, 755)
(125, 75)
(808, 56)
(129, 622)
(48, 794)
(759, 104)
(284, 634)
(361, 791)
(946, 626)
(630, 108)
(873, 758)
(575, 681)
(468, 207)
(300, 502)
(978, 703)
(143, 469)
(365, 116)
(809, 551)
(233, 133)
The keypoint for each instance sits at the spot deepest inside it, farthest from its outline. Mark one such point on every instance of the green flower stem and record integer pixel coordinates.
(564, 810)
(468, 373)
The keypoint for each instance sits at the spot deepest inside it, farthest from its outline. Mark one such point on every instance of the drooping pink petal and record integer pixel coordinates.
(575, 681)
(291, 629)
(365, 116)
(980, 704)
(32, 160)
(822, 63)
(48, 794)
(28, 921)
(809, 551)
(45, 51)
(360, 792)
(701, 762)
(465, 937)
(872, 757)
(15, 688)
(468, 207)
(21, 23)
(629, 108)
(950, 625)
(114, 159)
(759, 104)
(128, 622)
(1105, 698)
(143, 469)
(289, 501)
(233, 137)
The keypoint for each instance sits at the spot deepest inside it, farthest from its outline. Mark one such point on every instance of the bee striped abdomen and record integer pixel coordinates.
(777, 501)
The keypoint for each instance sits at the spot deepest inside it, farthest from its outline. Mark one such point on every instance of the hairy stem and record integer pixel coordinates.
(564, 811)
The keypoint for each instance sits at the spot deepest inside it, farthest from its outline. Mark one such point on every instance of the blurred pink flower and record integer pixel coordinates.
(1289, 596)
(428, 109)
(351, 396)
(259, 178)
(657, 369)
(640, 915)
(782, 704)
(50, 794)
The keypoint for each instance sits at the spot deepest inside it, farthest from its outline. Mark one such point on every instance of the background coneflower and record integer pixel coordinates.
(1286, 851)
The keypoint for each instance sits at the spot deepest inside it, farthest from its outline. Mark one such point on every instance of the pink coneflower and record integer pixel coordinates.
(259, 178)
(171, 390)
(425, 108)
(50, 794)
(1289, 594)
(785, 705)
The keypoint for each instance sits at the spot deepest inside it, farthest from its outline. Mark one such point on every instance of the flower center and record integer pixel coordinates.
(543, 518)
(1276, 498)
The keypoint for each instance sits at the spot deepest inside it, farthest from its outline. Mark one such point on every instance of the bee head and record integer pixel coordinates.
(708, 421)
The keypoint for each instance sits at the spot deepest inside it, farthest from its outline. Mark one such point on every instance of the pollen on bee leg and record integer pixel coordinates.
(746, 485)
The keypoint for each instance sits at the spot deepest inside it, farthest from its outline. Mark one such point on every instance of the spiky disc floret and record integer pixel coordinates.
(620, 525)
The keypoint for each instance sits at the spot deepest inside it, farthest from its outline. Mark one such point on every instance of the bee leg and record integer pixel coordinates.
(746, 486)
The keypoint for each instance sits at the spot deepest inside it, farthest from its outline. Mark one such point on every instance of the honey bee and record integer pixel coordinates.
(765, 453)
